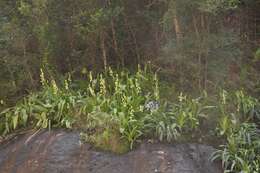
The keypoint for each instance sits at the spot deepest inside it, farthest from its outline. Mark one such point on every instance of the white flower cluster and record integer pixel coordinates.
(152, 105)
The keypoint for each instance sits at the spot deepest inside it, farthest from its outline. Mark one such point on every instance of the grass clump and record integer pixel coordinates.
(241, 151)
(174, 120)
(117, 100)
(50, 107)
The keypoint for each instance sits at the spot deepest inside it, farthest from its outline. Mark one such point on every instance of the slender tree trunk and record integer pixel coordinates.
(199, 48)
(103, 48)
(115, 44)
(177, 26)
(132, 33)
(179, 36)
(136, 47)
(27, 67)
(206, 25)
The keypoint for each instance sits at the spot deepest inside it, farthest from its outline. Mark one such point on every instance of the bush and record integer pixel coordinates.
(51, 107)
(242, 151)
(170, 121)
(110, 99)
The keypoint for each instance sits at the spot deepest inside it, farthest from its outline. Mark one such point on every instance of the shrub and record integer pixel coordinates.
(235, 109)
(117, 97)
(122, 96)
(247, 106)
(50, 107)
(242, 151)
(170, 121)
(162, 124)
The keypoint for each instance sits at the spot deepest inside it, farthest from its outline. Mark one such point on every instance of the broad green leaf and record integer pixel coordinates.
(15, 121)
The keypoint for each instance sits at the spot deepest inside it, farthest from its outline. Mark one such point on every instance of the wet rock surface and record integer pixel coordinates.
(62, 152)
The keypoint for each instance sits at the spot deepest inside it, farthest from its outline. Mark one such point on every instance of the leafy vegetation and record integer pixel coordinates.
(257, 55)
(196, 44)
(51, 107)
(242, 151)
(172, 120)
(194, 47)
(116, 109)
(122, 97)
(109, 102)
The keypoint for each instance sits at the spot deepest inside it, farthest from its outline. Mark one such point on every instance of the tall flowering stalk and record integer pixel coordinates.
(103, 89)
(42, 78)
(156, 88)
(55, 88)
(91, 86)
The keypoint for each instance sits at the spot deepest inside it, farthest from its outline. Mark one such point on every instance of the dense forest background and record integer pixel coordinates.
(195, 45)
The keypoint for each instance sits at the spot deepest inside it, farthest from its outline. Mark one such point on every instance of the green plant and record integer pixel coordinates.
(101, 130)
(15, 117)
(242, 151)
(257, 55)
(227, 119)
(50, 107)
(225, 126)
(172, 120)
(122, 96)
(162, 124)
(247, 106)
(130, 128)
(188, 112)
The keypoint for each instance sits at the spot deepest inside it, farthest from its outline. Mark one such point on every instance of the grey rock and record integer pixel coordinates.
(60, 152)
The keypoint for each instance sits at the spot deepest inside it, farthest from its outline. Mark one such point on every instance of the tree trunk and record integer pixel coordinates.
(103, 49)
(177, 26)
(115, 44)
(27, 67)
(206, 25)
(198, 41)
(179, 36)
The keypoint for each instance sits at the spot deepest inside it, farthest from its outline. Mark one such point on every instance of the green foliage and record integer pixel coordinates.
(69, 36)
(179, 118)
(237, 113)
(227, 119)
(51, 107)
(217, 6)
(194, 44)
(13, 119)
(122, 96)
(203, 47)
(163, 124)
(111, 110)
(257, 55)
(247, 106)
(110, 101)
(242, 151)
(225, 126)
(235, 108)
(189, 110)
(101, 130)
